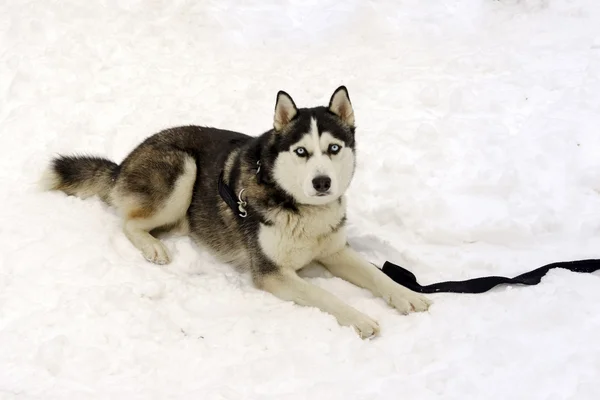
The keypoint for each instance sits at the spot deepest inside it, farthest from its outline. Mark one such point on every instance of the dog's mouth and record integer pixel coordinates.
(321, 198)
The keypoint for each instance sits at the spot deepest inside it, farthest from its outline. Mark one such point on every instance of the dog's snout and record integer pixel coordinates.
(321, 183)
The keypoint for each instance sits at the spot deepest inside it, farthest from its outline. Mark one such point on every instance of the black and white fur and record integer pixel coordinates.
(291, 182)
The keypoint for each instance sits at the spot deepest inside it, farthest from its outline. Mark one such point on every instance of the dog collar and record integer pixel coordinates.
(236, 203)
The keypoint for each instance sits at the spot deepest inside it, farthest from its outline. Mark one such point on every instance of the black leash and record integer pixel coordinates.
(479, 285)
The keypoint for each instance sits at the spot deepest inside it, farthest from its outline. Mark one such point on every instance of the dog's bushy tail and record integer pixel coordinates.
(81, 176)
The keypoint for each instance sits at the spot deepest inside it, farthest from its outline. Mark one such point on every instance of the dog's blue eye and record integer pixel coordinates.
(300, 151)
(334, 148)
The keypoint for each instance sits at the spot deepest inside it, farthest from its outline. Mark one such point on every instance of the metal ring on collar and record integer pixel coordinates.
(242, 205)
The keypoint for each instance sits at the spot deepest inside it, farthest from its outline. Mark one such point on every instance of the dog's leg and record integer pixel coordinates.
(287, 285)
(154, 192)
(352, 267)
(153, 250)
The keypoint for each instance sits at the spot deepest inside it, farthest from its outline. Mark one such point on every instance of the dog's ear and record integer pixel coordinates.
(285, 110)
(341, 106)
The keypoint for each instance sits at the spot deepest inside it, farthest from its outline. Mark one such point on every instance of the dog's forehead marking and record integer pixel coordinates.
(316, 140)
(315, 136)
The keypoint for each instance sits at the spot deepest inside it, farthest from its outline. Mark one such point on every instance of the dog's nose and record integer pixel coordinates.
(321, 183)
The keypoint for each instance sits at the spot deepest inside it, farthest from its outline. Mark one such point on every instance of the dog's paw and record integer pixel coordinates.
(407, 301)
(156, 252)
(362, 324)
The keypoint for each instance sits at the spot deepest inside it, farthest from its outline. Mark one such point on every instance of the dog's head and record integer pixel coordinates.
(314, 157)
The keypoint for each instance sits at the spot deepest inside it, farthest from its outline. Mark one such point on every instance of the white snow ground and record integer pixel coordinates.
(479, 153)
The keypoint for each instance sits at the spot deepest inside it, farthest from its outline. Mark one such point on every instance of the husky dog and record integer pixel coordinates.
(272, 204)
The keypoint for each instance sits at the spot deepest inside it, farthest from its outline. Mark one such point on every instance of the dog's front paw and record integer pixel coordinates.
(362, 324)
(406, 301)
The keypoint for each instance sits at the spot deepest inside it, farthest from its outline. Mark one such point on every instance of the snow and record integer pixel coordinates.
(479, 154)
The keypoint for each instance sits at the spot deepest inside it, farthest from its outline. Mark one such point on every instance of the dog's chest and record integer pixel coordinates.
(294, 240)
